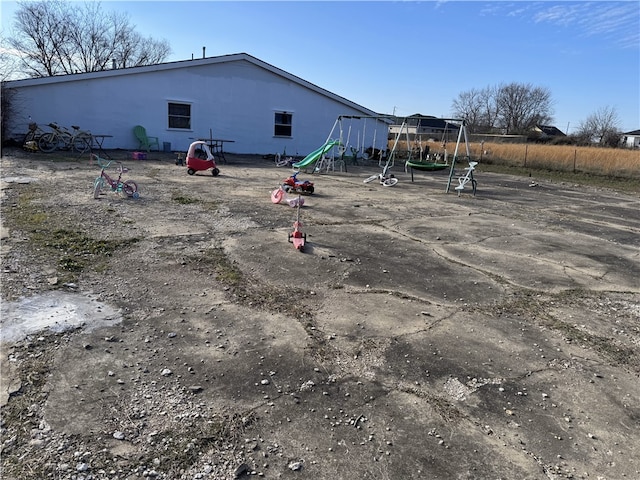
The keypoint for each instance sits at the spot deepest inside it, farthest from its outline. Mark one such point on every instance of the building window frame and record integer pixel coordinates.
(283, 124)
(179, 115)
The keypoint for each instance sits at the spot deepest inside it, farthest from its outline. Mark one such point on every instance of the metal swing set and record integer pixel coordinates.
(342, 137)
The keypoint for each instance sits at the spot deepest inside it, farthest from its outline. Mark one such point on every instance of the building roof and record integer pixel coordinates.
(633, 133)
(236, 57)
(429, 121)
(551, 131)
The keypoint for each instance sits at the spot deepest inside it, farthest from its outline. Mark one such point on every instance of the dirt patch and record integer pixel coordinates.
(421, 334)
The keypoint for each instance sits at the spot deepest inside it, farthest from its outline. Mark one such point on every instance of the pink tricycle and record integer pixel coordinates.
(196, 164)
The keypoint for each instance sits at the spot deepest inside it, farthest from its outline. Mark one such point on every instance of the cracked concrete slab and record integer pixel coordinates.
(420, 335)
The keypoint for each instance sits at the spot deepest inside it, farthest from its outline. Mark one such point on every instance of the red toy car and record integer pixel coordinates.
(195, 164)
(292, 184)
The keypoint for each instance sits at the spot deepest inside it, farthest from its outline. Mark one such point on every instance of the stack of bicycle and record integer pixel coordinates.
(59, 138)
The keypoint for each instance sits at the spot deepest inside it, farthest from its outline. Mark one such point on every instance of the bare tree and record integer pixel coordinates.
(523, 106)
(7, 95)
(55, 37)
(602, 127)
(512, 108)
(468, 106)
(490, 109)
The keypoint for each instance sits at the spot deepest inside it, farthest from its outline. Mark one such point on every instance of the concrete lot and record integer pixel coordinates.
(421, 334)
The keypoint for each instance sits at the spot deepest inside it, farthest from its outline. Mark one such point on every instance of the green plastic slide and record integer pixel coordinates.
(316, 154)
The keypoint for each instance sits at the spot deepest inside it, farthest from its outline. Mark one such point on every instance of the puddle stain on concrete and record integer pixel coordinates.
(54, 312)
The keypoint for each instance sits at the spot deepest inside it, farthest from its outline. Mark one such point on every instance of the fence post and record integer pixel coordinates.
(526, 148)
(575, 154)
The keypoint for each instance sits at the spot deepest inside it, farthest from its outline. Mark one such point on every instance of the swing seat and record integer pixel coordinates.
(427, 166)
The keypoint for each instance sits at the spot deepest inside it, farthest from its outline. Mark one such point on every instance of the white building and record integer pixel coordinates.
(631, 139)
(235, 97)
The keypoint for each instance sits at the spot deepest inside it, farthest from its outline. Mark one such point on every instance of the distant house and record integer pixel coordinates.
(631, 139)
(548, 131)
(238, 97)
(427, 127)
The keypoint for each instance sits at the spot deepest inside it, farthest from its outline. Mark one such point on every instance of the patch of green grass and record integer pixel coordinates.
(71, 250)
(183, 199)
(227, 272)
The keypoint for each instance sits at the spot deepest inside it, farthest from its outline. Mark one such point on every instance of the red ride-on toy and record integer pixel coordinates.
(293, 185)
(196, 164)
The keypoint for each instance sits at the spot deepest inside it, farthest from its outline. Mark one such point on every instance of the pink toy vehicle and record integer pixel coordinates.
(195, 164)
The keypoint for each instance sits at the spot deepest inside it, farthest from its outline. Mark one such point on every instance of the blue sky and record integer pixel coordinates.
(416, 57)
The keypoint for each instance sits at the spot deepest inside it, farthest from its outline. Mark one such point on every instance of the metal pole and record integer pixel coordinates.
(463, 127)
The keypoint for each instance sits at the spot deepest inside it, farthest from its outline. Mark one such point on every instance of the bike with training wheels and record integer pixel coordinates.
(128, 187)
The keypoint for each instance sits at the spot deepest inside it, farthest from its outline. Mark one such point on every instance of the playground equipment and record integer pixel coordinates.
(409, 131)
(428, 165)
(358, 127)
(462, 133)
(317, 154)
(427, 161)
(195, 164)
(468, 177)
(297, 237)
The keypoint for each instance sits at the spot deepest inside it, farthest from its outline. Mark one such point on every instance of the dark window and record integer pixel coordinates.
(180, 115)
(282, 124)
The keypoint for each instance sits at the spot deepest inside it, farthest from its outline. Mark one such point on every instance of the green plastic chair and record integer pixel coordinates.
(145, 141)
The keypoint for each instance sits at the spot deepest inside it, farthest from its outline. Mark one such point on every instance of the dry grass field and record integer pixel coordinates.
(612, 162)
(616, 162)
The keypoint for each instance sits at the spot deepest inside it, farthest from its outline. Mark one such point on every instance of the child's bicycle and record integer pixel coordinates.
(284, 160)
(385, 178)
(130, 188)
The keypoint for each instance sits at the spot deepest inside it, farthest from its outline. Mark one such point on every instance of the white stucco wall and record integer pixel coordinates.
(631, 141)
(236, 100)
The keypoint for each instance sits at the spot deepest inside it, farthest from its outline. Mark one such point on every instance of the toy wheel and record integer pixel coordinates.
(286, 188)
(215, 172)
(29, 137)
(97, 187)
(191, 171)
(277, 195)
(82, 143)
(130, 188)
(48, 142)
(310, 189)
(370, 179)
(390, 182)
